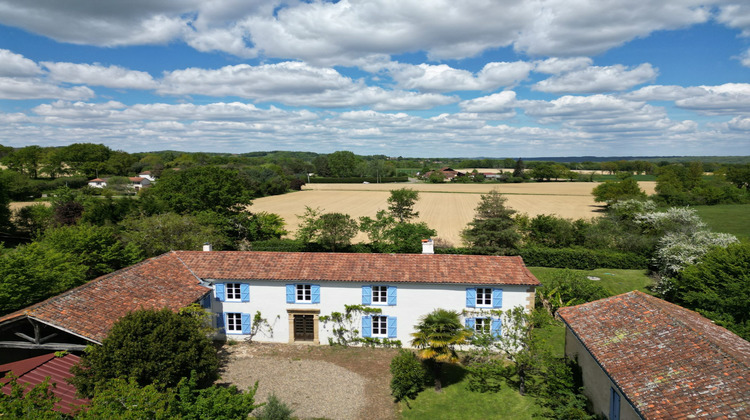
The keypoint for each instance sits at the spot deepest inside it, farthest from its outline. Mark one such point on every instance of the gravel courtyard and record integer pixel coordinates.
(316, 381)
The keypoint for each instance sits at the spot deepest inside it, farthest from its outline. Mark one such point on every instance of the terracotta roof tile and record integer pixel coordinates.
(33, 371)
(90, 310)
(670, 362)
(392, 268)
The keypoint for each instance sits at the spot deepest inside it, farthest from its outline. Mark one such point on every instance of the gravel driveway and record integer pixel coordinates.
(315, 381)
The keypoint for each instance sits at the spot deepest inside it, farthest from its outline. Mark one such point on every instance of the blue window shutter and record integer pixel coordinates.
(497, 298)
(392, 326)
(471, 297)
(391, 295)
(469, 323)
(245, 323)
(219, 288)
(366, 295)
(220, 320)
(315, 292)
(290, 290)
(245, 292)
(367, 326)
(497, 327)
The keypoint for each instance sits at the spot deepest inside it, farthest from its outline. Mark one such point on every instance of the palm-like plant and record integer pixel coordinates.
(437, 335)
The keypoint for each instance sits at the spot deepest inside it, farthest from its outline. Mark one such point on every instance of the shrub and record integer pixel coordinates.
(358, 180)
(566, 288)
(581, 258)
(275, 409)
(410, 376)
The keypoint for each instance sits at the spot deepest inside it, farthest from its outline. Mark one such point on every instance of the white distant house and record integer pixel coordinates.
(138, 183)
(147, 175)
(98, 183)
(292, 290)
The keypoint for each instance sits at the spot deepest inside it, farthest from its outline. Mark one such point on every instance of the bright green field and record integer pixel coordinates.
(728, 218)
(616, 281)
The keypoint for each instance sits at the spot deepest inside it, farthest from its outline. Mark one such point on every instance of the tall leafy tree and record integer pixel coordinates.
(332, 230)
(161, 233)
(718, 287)
(343, 164)
(493, 230)
(436, 336)
(614, 191)
(152, 347)
(401, 204)
(203, 188)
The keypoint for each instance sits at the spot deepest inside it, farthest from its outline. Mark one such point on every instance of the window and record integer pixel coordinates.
(234, 323)
(379, 326)
(484, 296)
(482, 325)
(233, 291)
(485, 325)
(614, 404)
(380, 294)
(304, 293)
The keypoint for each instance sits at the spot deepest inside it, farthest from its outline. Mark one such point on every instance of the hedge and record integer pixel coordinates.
(358, 180)
(581, 258)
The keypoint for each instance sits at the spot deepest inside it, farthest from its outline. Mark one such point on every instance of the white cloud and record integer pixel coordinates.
(443, 78)
(293, 83)
(16, 65)
(502, 102)
(556, 65)
(349, 31)
(736, 16)
(97, 75)
(739, 124)
(726, 99)
(745, 58)
(35, 88)
(663, 93)
(598, 79)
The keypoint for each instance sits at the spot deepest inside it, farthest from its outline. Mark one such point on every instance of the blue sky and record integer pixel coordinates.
(503, 78)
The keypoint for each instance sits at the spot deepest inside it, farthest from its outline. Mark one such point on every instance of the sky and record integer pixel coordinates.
(412, 78)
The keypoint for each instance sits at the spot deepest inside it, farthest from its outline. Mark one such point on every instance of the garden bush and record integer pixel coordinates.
(581, 258)
(410, 376)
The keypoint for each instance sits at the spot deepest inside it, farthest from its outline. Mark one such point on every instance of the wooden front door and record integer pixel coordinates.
(304, 328)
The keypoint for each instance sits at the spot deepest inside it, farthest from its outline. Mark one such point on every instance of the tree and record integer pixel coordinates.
(152, 347)
(436, 177)
(614, 191)
(519, 168)
(86, 158)
(96, 247)
(24, 402)
(343, 164)
(718, 287)
(203, 188)
(336, 230)
(407, 237)
(5, 224)
(518, 344)
(493, 230)
(401, 204)
(34, 272)
(161, 233)
(436, 337)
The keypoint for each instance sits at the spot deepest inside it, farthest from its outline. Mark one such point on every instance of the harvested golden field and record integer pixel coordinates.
(447, 208)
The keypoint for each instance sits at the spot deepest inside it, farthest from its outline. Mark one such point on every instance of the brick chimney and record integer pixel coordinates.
(427, 246)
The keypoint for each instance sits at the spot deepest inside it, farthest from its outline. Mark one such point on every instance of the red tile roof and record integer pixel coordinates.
(392, 268)
(670, 362)
(136, 179)
(33, 371)
(90, 310)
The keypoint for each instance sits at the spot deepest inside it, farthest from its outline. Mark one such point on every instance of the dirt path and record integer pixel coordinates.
(316, 381)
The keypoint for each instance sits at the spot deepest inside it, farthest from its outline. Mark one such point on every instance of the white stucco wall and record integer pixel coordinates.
(413, 302)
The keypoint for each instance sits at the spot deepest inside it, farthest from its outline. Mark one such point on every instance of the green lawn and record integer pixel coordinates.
(728, 218)
(457, 402)
(616, 281)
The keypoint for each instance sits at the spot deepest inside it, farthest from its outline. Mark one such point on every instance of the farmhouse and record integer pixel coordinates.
(291, 290)
(98, 183)
(642, 357)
